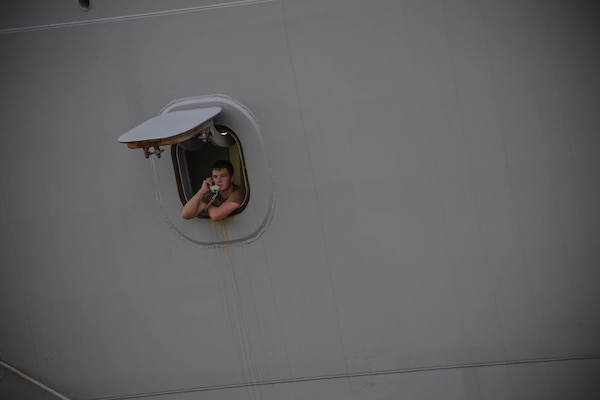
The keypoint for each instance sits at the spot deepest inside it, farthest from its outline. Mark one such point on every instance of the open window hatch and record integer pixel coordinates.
(196, 143)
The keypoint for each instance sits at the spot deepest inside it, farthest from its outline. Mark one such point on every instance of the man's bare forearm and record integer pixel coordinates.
(195, 205)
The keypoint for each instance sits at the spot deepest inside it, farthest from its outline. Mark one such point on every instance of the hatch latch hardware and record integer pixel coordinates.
(157, 151)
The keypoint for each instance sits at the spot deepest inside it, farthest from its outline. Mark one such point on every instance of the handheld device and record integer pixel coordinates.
(214, 189)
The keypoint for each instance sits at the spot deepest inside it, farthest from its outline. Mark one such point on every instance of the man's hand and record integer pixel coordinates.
(206, 184)
(197, 203)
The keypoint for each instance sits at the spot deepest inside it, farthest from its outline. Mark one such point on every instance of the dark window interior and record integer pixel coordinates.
(192, 161)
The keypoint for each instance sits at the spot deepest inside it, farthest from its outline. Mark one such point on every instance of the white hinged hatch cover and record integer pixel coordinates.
(170, 128)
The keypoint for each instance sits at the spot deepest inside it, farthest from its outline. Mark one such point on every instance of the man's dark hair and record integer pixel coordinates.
(220, 164)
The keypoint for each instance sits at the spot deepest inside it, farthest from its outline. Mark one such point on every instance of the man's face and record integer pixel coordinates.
(223, 178)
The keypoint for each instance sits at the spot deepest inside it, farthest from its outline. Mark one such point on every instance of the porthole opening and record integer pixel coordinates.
(85, 4)
(193, 159)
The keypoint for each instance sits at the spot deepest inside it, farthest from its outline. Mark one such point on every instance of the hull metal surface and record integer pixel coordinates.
(428, 228)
